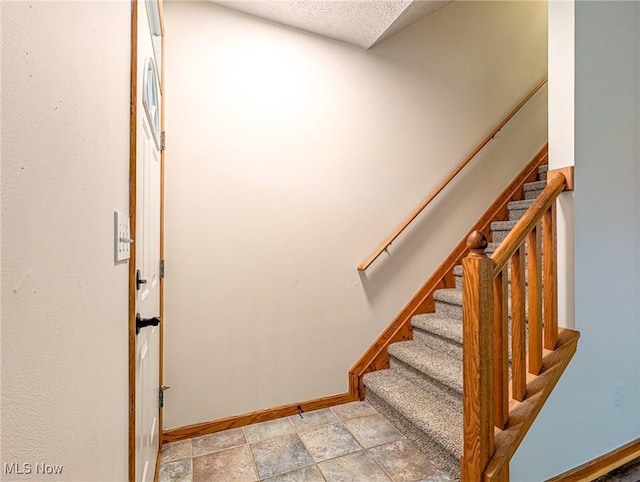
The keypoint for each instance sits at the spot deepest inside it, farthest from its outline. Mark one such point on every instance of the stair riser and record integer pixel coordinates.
(449, 311)
(532, 194)
(438, 343)
(456, 349)
(516, 214)
(490, 250)
(451, 332)
(455, 311)
(459, 282)
(408, 371)
(498, 236)
(438, 454)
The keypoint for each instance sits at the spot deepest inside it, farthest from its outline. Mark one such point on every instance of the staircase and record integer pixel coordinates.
(421, 391)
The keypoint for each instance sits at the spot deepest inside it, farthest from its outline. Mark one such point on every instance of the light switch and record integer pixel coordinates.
(122, 238)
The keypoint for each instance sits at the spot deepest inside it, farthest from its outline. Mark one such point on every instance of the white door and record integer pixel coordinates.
(147, 245)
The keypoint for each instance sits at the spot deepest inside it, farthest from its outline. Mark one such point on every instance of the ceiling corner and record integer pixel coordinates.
(357, 22)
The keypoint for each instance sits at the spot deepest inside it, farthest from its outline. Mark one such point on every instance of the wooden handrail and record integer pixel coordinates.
(376, 357)
(527, 222)
(453, 174)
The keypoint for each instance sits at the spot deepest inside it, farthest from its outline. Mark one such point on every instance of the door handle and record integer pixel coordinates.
(139, 280)
(144, 322)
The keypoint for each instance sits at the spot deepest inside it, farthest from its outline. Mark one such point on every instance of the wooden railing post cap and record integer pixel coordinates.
(477, 243)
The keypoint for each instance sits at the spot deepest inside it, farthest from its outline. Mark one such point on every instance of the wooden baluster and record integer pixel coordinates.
(549, 278)
(518, 326)
(534, 287)
(477, 328)
(500, 351)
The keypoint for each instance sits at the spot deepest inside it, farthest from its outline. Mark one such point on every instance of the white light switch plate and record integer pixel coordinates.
(122, 238)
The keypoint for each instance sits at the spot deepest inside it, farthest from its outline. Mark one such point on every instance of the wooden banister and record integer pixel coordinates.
(500, 351)
(477, 361)
(453, 174)
(497, 414)
(549, 275)
(518, 326)
(535, 301)
(534, 214)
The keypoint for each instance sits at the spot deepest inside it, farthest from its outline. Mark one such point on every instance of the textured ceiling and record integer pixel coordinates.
(358, 22)
(417, 10)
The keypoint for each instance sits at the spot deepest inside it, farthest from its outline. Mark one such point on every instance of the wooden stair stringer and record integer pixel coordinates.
(523, 414)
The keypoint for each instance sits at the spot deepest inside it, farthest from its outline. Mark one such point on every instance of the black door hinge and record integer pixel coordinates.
(161, 395)
(161, 269)
(163, 136)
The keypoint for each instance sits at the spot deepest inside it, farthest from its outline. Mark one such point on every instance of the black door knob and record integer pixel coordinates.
(139, 280)
(144, 322)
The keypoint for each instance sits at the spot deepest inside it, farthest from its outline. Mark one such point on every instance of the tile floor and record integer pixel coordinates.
(346, 443)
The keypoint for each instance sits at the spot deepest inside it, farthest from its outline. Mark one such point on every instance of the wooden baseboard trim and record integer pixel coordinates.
(205, 428)
(601, 465)
(376, 357)
(156, 473)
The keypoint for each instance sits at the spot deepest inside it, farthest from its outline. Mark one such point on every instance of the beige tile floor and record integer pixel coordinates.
(346, 443)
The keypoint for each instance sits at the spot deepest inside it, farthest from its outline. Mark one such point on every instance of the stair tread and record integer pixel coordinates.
(535, 186)
(434, 410)
(438, 344)
(449, 301)
(457, 271)
(444, 327)
(520, 205)
(453, 296)
(434, 364)
(503, 225)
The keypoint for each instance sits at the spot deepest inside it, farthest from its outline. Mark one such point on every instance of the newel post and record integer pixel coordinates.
(477, 332)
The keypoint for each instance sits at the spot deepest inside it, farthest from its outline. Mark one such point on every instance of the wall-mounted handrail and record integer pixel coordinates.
(453, 174)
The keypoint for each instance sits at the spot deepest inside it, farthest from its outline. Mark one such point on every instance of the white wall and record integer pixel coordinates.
(561, 82)
(579, 422)
(291, 157)
(561, 144)
(65, 158)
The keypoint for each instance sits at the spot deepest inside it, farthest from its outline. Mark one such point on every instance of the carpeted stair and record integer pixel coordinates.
(421, 392)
